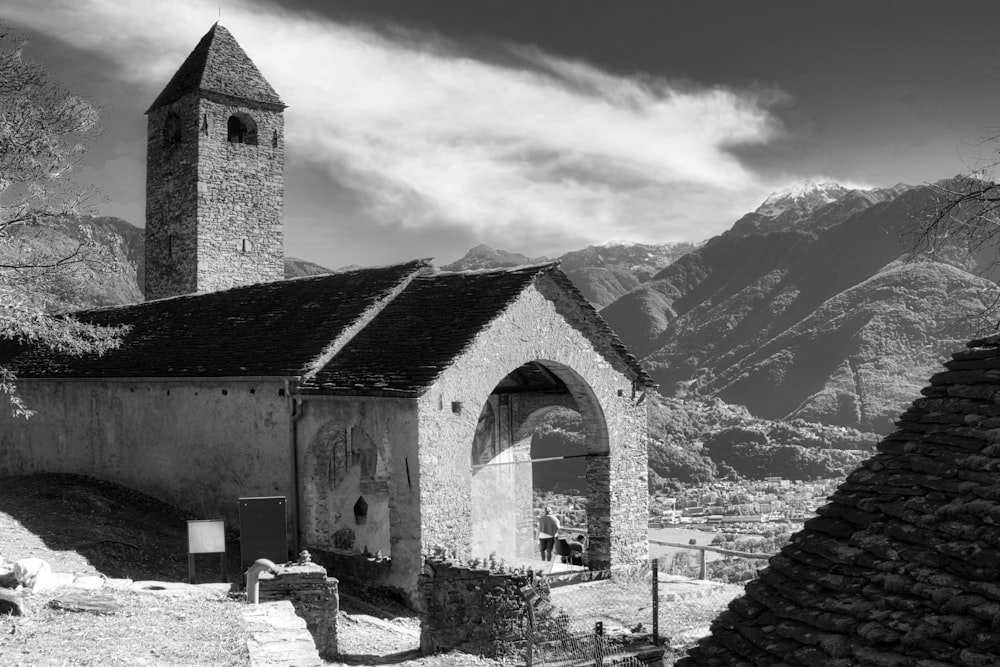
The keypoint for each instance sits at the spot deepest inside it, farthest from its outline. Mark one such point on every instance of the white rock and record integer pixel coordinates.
(92, 582)
(46, 582)
(28, 572)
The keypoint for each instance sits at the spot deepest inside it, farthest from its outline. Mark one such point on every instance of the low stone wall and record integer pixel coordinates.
(477, 610)
(359, 574)
(314, 596)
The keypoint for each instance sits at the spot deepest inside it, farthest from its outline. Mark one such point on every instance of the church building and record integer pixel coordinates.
(393, 407)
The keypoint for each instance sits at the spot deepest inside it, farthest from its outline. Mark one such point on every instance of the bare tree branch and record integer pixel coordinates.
(44, 130)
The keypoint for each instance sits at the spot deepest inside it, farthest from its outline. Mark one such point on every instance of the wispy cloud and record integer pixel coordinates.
(526, 145)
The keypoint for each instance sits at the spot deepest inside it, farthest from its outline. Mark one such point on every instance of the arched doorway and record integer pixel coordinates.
(505, 464)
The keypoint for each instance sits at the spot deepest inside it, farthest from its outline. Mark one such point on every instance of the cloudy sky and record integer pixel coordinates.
(420, 129)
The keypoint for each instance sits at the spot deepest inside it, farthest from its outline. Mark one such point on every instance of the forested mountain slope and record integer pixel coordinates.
(827, 319)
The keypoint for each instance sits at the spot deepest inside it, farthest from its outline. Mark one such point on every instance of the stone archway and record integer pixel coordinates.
(502, 479)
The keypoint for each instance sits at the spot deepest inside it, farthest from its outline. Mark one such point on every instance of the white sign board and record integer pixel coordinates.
(206, 536)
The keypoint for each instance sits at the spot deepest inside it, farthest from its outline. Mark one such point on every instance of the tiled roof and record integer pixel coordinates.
(902, 567)
(419, 334)
(426, 327)
(218, 64)
(387, 330)
(267, 329)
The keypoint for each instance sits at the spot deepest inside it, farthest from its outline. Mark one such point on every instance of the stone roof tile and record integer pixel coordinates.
(386, 330)
(901, 567)
(267, 329)
(218, 64)
(428, 326)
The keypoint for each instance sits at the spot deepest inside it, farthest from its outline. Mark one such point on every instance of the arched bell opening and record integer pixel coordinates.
(241, 129)
(541, 431)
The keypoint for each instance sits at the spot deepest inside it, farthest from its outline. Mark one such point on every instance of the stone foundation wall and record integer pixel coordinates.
(360, 574)
(476, 610)
(314, 596)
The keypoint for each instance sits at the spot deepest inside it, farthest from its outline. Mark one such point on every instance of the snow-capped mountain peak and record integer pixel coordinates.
(802, 197)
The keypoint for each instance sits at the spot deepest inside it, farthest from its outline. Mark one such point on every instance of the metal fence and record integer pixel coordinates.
(588, 618)
(594, 618)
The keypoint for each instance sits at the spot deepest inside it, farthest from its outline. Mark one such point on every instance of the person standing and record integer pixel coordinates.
(548, 528)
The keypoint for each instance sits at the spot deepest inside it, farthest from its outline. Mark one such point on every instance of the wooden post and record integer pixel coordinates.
(656, 601)
(598, 644)
(704, 569)
(529, 647)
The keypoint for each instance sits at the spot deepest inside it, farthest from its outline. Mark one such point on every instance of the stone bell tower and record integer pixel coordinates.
(214, 174)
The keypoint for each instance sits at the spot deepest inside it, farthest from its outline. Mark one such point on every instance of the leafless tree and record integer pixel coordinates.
(964, 216)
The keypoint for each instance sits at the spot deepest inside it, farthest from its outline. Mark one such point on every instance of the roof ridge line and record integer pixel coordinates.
(539, 266)
(349, 332)
(618, 347)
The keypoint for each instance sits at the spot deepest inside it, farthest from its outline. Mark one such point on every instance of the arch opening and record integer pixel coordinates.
(241, 129)
(541, 440)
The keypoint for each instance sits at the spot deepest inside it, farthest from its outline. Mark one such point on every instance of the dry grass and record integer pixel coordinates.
(82, 526)
(86, 527)
(148, 630)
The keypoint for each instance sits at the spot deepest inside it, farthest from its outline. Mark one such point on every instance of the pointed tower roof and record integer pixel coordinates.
(218, 64)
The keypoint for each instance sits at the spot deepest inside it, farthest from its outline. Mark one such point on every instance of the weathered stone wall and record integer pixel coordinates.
(197, 445)
(478, 611)
(359, 574)
(171, 248)
(362, 447)
(315, 598)
(241, 190)
(214, 208)
(542, 325)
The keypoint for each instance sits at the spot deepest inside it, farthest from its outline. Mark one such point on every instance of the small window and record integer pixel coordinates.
(172, 129)
(170, 246)
(361, 511)
(241, 129)
(244, 246)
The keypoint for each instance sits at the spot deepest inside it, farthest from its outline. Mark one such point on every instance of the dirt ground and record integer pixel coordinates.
(84, 526)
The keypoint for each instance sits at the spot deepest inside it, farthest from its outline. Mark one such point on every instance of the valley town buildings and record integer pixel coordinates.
(379, 401)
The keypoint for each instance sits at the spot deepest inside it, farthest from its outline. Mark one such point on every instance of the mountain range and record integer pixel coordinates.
(819, 311)
(602, 272)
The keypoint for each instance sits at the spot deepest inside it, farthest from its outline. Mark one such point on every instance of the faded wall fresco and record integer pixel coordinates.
(354, 448)
(345, 491)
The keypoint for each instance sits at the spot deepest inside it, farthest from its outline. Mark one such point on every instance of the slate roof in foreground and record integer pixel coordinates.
(902, 567)
(218, 64)
(389, 330)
